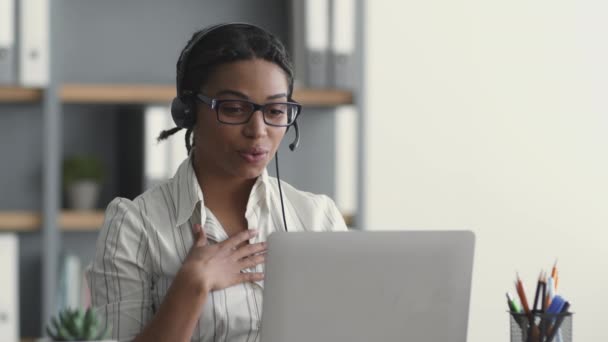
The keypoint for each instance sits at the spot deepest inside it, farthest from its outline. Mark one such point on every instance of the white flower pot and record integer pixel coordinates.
(83, 195)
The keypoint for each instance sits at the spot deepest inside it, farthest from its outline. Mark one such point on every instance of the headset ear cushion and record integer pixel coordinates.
(183, 112)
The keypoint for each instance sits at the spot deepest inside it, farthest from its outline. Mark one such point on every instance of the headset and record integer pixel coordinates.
(183, 106)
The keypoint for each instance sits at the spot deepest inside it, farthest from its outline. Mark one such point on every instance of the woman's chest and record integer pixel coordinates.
(232, 314)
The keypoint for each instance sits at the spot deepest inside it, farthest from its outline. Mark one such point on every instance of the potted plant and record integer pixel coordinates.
(76, 325)
(82, 176)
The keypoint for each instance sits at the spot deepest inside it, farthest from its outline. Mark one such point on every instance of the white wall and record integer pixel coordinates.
(493, 116)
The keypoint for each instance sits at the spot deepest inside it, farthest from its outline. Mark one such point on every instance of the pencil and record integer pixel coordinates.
(554, 275)
(550, 291)
(522, 296)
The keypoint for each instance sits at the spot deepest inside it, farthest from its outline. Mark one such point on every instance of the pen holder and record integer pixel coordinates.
(541, 327)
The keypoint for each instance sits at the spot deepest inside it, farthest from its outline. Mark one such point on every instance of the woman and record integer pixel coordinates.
(184, 261)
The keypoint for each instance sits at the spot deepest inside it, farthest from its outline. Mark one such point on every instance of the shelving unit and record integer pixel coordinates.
(29, 221)
(116, 70)
(152, 93)
(69, 221)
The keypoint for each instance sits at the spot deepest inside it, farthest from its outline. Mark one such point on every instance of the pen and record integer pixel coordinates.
(543, 307)
(513, 308)
(537, 294)
(512, 304)
(558, 322)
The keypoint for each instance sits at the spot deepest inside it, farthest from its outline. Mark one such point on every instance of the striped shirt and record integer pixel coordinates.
(144, 242)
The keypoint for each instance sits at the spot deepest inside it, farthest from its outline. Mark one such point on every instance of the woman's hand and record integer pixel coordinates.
(218, 266)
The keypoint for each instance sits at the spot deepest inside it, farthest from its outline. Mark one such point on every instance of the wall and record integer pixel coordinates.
(491, 116)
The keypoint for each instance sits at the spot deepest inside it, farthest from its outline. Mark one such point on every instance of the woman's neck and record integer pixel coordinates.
(223, 192)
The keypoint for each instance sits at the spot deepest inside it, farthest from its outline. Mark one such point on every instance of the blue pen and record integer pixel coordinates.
(557, 305)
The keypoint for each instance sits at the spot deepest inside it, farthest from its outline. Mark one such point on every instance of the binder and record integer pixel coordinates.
(344, 70)
(34, 43)
(7, 42)
(9, 287)
(310, 37)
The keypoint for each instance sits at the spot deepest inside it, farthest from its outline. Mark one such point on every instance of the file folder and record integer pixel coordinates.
(310, 37)
(343, 44)
(7, 42)
(9, 287)
(34, 43)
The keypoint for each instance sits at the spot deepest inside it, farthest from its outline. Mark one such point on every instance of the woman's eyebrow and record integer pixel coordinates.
(232, 92)
(245, 97)
(276, 96)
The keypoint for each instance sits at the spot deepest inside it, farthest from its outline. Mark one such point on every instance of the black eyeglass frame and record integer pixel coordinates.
(215, 105)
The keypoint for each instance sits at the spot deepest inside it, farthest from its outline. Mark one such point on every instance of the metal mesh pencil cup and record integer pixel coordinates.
(541, 327)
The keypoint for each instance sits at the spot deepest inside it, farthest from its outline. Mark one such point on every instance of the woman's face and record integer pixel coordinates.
(239, 151)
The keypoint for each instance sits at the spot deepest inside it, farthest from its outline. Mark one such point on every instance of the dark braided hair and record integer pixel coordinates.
(225, 44)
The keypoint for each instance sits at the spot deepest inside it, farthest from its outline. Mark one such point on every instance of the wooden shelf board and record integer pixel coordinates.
(81, 220)
(116, 93)
(28, 221)
(22, 221)
(323, 97)
(15, 94)
(149, 93)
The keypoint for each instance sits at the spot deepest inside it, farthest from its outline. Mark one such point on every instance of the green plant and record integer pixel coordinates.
(76, 325)
(82, 168)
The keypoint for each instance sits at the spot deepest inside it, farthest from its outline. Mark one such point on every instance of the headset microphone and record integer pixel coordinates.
(296, 141)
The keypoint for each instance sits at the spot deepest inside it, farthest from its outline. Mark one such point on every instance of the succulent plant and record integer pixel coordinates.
(84, 167)
(76, 325)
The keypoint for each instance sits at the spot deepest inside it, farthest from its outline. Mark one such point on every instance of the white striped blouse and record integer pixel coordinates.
(144, 242)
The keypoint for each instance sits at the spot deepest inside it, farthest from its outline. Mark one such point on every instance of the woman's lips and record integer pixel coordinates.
(253, 156)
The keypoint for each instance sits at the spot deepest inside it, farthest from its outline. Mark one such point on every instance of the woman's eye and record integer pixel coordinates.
(233, 110)
(276, 110)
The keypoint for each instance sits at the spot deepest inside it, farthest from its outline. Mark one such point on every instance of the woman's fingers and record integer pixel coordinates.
(251, 277)
(248, 250)
(239, 238)
(252, 261)
(200, 236)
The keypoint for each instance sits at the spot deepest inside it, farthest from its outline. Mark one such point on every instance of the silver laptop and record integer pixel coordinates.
(368, 286)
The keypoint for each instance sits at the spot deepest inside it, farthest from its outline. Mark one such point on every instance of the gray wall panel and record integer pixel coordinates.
(21, 157)
(138, 41)
(91, 130)
(30, 283)
(311, 167)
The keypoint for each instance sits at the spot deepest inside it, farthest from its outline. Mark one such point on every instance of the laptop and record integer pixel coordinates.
(363, 286)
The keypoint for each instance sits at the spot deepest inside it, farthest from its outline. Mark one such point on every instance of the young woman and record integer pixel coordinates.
(185, 260)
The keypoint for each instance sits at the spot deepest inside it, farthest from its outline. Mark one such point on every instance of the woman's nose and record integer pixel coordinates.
(256, 126)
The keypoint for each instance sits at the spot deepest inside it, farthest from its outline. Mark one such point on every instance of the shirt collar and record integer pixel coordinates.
(187, 192)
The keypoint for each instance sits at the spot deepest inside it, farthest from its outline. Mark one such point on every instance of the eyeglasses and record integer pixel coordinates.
(238, 112)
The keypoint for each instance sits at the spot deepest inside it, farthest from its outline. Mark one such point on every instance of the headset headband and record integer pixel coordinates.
(182, 62)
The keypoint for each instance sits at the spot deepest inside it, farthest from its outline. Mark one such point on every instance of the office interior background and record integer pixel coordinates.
(481, 115)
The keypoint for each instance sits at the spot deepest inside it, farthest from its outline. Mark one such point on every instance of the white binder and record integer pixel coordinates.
(343, 44)
(34, 43)
(7, 42)
(9, 288)
(310, 37)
